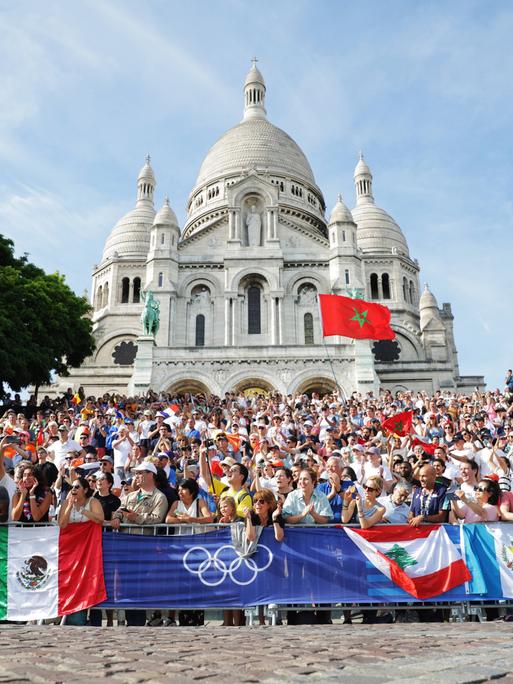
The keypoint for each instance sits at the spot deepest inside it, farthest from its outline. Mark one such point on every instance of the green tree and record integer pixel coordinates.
(401, 556)
(44, 326)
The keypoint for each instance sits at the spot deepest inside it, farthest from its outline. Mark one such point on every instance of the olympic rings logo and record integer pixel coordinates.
(212, 570)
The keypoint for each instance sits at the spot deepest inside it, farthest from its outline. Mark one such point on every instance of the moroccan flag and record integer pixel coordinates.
(423, 561)
(46, 571)
(354, 318)
(400, 424)
(427, 446)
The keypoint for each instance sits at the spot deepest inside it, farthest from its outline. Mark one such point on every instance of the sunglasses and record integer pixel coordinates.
(370, 489)
(75, 487)
(482, 489)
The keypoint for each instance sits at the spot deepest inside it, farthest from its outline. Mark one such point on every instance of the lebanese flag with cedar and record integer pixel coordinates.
(423, 561)
(355, 318)
(400, 424)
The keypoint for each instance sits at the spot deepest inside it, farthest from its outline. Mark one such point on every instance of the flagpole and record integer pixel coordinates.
(340, 390)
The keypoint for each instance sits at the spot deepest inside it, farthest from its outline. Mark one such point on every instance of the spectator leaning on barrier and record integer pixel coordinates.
(145, 506)
(80, 506)
(427, 500)
(369, 511)
(333, 487)
(485, 507)
(396, 508)
(33, 498)
(190, 508)
(306, 505)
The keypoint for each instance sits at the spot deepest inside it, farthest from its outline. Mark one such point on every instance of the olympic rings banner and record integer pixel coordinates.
(313, 565)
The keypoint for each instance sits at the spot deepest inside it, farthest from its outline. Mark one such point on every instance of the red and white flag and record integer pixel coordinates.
(46, 571)
(423, 561)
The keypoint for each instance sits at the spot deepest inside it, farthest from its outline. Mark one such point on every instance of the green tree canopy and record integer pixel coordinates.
(44, 326)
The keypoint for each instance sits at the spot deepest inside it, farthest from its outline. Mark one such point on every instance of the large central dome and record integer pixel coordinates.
(255, 143)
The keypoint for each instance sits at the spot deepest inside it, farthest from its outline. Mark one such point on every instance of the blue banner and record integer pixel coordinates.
(312, 565)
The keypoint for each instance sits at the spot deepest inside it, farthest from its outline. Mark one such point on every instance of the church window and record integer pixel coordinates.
(160, 280)
(374, 286)
(162, 238)
(346, 274)
(405, 290)
(136, 297)
(254, 326)
(173, 240)
(105, 295)
(125, 290)
(99, 294)
(412, 292)
(385, 285)
(309, 329)
(200, 330)
(343, 236)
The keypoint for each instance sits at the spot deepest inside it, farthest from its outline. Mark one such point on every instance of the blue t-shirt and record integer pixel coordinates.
(336, 503)
(423, 503)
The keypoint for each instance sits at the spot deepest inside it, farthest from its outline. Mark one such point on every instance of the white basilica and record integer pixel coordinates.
(237, 286)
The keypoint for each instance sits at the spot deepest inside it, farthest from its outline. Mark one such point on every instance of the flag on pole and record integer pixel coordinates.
(423, 561)
(46, 571)
(354, 318)
(400, 424)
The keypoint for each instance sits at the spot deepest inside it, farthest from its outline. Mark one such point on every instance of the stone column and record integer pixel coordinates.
(280, 319)
(227, 321)
(269, 224)
(274, 328)
(237, 225)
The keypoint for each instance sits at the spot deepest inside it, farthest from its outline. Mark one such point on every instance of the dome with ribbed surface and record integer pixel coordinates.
(258, 144)
(165, 215)
(377, 231)
(130, 237)
(340, 212)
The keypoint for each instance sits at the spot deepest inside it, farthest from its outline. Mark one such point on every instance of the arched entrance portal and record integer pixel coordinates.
(320, 385)
(252, 387)
(188, 386)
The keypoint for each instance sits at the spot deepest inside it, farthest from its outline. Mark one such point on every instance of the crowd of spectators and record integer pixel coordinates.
(260, 460)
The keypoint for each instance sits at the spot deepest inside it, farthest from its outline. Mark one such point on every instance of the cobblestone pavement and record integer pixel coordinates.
(400, 653)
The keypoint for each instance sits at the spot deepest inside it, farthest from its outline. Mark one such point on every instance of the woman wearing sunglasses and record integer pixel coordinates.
(368, 511)
(80, 505)
(485, 506)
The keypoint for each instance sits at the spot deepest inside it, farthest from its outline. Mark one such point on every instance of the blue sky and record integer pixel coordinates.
(88, 87)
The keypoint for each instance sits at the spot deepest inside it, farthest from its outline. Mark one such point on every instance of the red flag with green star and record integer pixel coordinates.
(400, 424)
(355, 318)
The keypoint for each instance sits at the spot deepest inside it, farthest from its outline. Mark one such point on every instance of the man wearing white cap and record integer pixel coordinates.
(145, 506)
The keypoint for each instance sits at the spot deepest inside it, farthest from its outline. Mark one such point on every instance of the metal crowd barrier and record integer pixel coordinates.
(458, 611)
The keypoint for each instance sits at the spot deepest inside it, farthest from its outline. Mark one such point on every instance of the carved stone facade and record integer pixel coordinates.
(238, 286)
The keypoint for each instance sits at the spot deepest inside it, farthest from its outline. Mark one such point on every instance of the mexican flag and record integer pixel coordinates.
(354, 318)
(46, 571)
(423, 561)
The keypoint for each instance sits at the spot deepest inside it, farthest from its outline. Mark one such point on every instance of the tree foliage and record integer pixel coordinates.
(44, 326)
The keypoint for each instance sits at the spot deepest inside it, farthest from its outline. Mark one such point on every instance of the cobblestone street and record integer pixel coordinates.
(460, 653)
